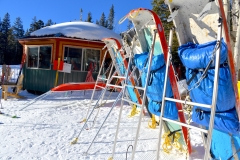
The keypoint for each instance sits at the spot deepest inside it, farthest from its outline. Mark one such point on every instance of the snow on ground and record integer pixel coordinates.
(46, 126)
(45, 129)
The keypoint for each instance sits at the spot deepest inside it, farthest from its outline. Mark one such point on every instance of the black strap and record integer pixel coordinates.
(233, 154)
(201, 112)
(172, 133)
(195, 71)
(152, 73)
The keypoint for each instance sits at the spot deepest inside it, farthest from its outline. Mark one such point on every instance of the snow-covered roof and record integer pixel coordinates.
(77, 29)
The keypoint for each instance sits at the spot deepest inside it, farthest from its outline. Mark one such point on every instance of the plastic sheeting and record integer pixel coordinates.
(155, 84)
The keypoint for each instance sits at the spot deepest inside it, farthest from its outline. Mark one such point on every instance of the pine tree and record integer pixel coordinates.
(129, 25)
(49, 23)
(33, 25)
(18, 32)
(1, 43)
(97, 22)
(81, 12)
(106, 24)
(40, 24)
(162, 10)
(102, 20)
(111, 18)
(4, 38)
(9, 57)
(27, 33)
(0, 25)
(89, 17)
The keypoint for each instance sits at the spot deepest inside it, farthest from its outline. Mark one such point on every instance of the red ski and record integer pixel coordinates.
(230, 57)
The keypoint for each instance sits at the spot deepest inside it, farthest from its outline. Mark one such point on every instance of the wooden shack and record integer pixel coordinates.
(76, 43)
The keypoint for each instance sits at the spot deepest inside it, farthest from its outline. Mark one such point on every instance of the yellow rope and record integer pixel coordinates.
(133, 112)
(135, 14)
(84, 120)
(169, 143)
(153, 125)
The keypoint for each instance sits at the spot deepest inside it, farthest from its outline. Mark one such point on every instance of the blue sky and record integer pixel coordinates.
(68, 10)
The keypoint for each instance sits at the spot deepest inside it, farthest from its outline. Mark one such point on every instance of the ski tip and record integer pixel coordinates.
(173, 14)
(122, 19)
(205, 11)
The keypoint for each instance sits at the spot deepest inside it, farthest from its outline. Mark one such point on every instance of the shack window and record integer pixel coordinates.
(73, 56)
(91, 60)
(39, 57)
(82, 59)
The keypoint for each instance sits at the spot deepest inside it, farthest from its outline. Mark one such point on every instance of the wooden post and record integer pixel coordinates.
(56, 79)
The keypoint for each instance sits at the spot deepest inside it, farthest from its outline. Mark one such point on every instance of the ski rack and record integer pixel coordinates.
(138, 104)
(212, 106)
(109, 85)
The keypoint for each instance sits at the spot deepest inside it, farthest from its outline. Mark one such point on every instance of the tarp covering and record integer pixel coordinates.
(155, 84)
(196, 58)
(204, 92)
(224, 121)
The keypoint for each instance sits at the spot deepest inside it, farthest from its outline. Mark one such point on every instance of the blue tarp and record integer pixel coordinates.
(196, 57)
(224, 121)
(155, 84)
(204, 92)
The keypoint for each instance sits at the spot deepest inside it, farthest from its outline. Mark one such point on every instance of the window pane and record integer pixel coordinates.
(73, 56)
(45, 57)
(32, 57)
(91, 59)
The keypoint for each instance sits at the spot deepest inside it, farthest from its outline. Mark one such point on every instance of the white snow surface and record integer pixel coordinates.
(46, 127)
(78, 29)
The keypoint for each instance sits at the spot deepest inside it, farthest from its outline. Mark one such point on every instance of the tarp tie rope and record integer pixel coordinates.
(153, 125)
(133, 112)
(171, 140)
